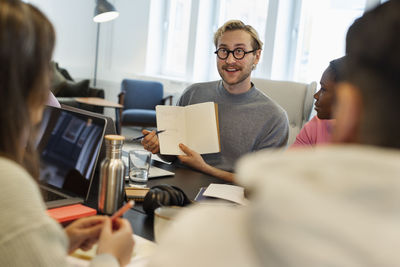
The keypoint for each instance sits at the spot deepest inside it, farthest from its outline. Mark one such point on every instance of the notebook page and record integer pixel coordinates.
(202, 128)
(172, 120)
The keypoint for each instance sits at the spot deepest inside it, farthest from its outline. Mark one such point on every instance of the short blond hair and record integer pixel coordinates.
(233, 25)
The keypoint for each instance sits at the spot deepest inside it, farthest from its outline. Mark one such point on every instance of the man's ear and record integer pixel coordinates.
(347, 112)
(258, 56)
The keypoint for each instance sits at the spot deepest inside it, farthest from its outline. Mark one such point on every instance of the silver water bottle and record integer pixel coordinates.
(112, 172)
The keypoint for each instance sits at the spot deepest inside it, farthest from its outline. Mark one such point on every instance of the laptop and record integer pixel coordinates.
(69, 145)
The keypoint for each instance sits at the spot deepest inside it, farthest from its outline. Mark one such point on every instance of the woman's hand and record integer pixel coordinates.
(116, 239)
(84, 233)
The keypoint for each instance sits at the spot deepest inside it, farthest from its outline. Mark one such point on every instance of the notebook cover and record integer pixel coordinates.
(136, 194)
(72, 212)
(200, 196)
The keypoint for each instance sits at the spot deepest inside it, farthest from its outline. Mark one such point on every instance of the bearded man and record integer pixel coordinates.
(248, 119)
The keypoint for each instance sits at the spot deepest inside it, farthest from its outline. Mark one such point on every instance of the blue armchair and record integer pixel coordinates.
(140, 99)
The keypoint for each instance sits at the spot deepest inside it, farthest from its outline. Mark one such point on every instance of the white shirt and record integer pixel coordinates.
(332, 206)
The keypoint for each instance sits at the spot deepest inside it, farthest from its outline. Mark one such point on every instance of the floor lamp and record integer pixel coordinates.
(103, 12)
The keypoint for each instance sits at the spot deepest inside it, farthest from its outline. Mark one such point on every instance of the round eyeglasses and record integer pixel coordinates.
(238, 53)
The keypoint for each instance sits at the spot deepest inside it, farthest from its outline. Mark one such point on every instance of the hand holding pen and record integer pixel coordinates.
(116, 237)
(150, 141)
(144, 135)
(123, 209)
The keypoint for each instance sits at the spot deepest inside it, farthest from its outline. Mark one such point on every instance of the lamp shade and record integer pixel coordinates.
(104, 11)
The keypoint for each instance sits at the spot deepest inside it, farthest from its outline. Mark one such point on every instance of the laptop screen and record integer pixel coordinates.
(69, 144)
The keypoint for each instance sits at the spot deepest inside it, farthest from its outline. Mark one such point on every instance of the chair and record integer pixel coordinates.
(295, 98)
(140, 99)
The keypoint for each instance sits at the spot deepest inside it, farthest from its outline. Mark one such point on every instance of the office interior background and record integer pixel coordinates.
(172, 40)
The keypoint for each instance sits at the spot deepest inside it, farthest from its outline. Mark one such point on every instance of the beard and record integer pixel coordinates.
(244, 73)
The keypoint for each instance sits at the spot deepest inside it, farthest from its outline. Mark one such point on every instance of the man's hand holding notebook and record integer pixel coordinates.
(196, 126)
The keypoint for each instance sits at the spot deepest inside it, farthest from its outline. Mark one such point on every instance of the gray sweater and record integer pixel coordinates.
(247, 122)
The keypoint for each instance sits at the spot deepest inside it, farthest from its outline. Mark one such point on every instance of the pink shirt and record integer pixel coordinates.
(314, 132)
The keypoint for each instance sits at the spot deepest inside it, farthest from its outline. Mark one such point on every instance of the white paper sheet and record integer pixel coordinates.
(142, 251)
(224, 191)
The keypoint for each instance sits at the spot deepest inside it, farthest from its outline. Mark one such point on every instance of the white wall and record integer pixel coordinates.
(123, 43)
(76, 34)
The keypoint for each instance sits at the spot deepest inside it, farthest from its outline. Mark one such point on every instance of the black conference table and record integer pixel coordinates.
(190, 181)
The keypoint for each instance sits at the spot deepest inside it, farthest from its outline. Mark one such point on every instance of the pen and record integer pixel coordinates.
(123, 209)
(140, 137)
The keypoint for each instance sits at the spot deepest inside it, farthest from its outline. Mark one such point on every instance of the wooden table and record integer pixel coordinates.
(97, 101)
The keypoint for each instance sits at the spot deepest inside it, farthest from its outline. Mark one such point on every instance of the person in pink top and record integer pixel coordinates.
(318, 129)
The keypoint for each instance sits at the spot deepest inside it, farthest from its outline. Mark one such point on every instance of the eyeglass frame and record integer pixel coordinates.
(233, 53)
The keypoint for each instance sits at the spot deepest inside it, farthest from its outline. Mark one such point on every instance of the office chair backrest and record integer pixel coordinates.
(142, 94)
(295, 98)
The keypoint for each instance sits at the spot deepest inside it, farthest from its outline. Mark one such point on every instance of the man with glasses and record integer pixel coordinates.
(337, 205)
(248, 119)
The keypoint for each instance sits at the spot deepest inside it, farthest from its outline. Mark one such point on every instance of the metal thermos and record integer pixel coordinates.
(112, 172)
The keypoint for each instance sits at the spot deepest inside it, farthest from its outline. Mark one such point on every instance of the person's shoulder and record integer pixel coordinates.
(12, 172)
(369, 166)
(251, 167)
(319, 127)
(18, 186)
(19, 196)
(202, 85)
(304, 161)
(198, 92)
(311, 124)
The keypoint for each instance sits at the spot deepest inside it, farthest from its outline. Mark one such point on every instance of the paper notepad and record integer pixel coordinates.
(225, 191)
(70, 212)
(141, 253)
(136, 193)
(196, 126)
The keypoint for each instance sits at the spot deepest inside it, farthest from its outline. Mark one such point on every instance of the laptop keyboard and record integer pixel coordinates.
(50, 196)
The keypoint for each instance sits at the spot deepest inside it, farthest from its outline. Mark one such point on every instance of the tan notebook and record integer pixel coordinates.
(196, 126)
(136, 193)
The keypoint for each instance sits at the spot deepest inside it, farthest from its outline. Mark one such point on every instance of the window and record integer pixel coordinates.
(253, 13)
(176, 38)
(300, 36)
(322, 34)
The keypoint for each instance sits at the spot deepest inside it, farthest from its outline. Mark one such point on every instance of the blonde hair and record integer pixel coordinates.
(233, 25)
